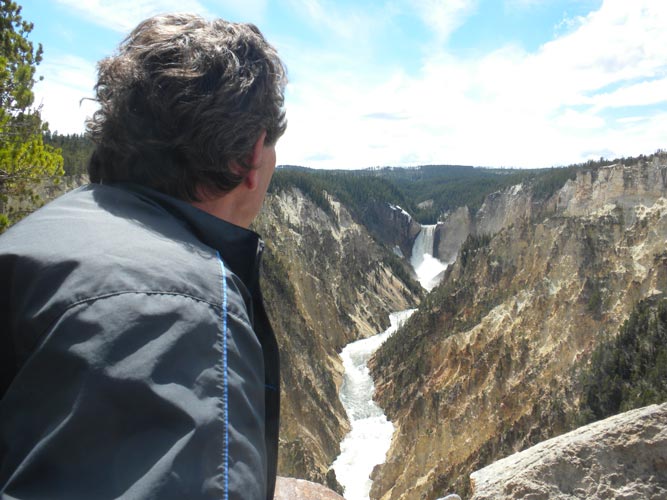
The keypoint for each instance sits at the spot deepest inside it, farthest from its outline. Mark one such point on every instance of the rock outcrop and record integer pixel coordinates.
(624, 456)
(326, 282)
(625, 187)
(487, 366)
(288, 488)
(499, 210)
(37, 194)
(451, 233)
(392, 225)
(504, 208)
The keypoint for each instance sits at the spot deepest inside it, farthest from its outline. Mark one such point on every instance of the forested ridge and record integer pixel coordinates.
(426, 192)
(630, 370)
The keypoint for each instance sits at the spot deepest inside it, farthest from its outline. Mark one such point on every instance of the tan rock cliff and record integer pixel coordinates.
(451, 233)
(326, 283)
(499, 210)
(487, 366)
(393, 226)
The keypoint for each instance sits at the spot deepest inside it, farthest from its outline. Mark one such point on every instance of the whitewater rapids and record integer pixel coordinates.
(368, 442)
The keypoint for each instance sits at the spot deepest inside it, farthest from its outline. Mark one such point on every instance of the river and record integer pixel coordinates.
(367, 443)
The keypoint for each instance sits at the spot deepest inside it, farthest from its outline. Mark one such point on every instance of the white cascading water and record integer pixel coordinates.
(427, 267)
(367, 443)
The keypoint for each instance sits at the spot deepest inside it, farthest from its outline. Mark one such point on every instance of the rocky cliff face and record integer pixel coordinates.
(625, 187)
(487, 366)
(392, 225)
(326, 282)
(451, 233)
(504, 208)
(37, 194)
(499, 210)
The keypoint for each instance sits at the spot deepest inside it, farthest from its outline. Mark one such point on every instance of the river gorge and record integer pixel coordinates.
(488, 364)
(366, 445)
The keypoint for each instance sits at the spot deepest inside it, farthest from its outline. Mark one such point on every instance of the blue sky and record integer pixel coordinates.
(513, 83)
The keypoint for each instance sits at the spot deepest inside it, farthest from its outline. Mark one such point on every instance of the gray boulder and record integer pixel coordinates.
(622, 457)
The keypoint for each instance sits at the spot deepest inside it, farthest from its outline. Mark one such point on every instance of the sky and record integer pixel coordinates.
(498, 83)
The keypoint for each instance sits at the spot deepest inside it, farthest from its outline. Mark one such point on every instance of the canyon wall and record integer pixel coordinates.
(451, 233)
(499, 210)
(392, 225)
(326, 282)
(488, 364)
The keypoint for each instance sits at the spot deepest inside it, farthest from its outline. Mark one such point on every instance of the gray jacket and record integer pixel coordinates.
(136, 358)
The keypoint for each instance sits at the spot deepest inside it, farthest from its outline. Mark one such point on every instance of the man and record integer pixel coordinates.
(136, 358)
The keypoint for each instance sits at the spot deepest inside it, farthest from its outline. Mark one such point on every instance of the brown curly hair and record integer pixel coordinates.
(181, 99)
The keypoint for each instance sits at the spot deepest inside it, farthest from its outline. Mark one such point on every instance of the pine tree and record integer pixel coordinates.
(24, 158)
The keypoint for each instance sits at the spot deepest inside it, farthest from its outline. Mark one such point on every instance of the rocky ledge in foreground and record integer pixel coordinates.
(624, 456)
(288, 488)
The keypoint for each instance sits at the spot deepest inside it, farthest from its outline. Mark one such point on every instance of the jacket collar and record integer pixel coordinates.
(239, 248)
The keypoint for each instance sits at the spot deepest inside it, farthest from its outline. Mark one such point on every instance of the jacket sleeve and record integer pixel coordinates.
(138, 396)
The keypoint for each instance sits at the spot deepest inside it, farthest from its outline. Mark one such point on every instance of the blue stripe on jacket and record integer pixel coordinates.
(225, 393)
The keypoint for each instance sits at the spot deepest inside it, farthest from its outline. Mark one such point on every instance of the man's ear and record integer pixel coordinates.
(251, 179)
(258, 150)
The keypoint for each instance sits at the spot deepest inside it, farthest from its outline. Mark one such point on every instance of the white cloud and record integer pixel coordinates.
(124, 15)
(68, 80)
(318, 13)
(444, 16)
(621, 41)
(509, 107)
(640, 94)
(571, 119)
(348, 24)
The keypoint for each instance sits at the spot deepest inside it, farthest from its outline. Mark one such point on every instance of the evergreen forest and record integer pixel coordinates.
(75, 150)
(630, 370)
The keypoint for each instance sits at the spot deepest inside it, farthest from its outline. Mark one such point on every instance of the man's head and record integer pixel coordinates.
(184, 104)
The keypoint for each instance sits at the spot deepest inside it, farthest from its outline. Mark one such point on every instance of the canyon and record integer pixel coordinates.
(326, 282)
(489, 363)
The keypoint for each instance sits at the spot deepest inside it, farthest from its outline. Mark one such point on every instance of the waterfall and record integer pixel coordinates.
(367, 443)
(427, 267)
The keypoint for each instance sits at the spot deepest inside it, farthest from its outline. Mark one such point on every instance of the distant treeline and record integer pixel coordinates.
(425, 192)
(354, 192)
(76, 150)
(442, 187)
(446, 187)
